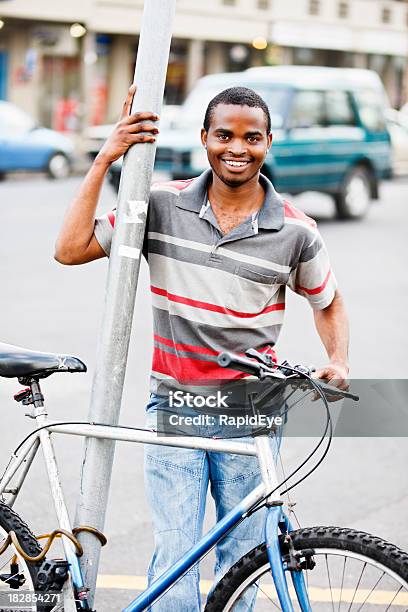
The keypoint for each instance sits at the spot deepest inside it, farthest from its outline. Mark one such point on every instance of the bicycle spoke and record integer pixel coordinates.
(393, 599)
(10, 578)
(372, 590)
(356, 589)
(266, 595)
(342, 582)
(6, 564)
(328, 576)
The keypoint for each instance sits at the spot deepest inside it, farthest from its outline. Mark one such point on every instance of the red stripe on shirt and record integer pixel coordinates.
(186, 347)
(180, 185)
(190, 370)
(213, 307)
(294, 213)
(112, 217)
(316, 289)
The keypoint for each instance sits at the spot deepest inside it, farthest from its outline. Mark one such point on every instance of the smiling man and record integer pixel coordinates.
(236, 145)
(222, 249)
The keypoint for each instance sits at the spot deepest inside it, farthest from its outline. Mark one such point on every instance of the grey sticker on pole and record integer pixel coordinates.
(135, 209)
(127, 251)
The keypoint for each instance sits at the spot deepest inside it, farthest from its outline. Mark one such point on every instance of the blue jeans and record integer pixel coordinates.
(176, 482)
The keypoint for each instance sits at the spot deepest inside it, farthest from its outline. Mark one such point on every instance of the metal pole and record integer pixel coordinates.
(150, 74)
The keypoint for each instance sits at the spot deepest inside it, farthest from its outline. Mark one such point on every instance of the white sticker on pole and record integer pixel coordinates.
(135, 209)
(127, 251)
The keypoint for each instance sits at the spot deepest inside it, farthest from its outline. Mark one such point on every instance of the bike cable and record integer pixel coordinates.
(328, 428)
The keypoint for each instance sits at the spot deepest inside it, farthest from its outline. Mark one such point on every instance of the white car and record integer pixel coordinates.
(397, 123)
(94, 137)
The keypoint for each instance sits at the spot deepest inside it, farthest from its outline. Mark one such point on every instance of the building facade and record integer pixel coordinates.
(69, 64)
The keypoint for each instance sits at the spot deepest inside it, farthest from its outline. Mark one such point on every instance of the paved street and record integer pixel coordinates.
(45, 306)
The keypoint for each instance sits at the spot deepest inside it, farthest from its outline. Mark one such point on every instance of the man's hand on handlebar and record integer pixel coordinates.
(332, 378)
(334, 374)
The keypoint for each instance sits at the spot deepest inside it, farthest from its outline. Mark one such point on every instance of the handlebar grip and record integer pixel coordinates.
(335, 391)
(229, 360)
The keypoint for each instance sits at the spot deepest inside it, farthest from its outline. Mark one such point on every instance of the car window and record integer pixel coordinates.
(13, 120)
(192, 112)
(339, 110)
(371, 109)
(307, 110)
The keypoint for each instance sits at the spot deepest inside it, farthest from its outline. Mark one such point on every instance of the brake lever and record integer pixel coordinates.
(260, 357)
(295, 370)
(328, 389)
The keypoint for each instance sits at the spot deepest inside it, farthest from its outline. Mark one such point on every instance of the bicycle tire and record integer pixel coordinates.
(11, 521)
(340, 542)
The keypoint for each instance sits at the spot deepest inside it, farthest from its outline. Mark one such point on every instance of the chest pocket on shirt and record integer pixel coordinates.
(251, 291)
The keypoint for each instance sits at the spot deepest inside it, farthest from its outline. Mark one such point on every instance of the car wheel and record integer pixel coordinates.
(58, 166)
(353, 200)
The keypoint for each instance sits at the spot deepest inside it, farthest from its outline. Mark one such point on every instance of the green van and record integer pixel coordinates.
(328, 124)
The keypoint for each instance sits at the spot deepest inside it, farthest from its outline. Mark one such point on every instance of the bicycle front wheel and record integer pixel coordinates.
(354, 571)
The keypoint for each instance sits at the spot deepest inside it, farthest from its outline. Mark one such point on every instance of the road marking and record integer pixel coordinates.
(316, 594)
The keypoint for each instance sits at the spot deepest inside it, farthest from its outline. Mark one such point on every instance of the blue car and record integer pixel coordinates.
(27, 146)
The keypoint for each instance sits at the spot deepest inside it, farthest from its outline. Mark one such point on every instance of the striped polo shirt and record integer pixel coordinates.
(213, 292)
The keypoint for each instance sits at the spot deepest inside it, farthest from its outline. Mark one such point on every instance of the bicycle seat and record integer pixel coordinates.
(20, 362)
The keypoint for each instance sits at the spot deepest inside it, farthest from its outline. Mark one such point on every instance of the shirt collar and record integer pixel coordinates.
(271, 215)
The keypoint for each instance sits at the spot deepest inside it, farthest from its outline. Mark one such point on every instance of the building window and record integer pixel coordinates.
(343, 10)
(386, 15)
(228, 2)
(314, 7)
(263, 4)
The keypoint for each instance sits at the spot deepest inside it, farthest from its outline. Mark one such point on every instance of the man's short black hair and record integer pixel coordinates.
(239, 96)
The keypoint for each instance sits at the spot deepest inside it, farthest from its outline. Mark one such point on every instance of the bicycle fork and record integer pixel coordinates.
(275, 520)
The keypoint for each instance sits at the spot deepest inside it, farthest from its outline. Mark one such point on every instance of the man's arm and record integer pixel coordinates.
(332, 325)
(76, 243)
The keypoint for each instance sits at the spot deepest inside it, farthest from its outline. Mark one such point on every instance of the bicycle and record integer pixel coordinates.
(329, 566)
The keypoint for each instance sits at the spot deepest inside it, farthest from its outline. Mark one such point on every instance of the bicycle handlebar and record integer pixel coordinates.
(250, 366)
(242, 364)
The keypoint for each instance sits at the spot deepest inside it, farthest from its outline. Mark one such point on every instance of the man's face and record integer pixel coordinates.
(236, 142)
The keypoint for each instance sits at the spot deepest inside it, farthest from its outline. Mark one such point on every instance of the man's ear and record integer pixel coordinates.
(270, 138)
(204, 137)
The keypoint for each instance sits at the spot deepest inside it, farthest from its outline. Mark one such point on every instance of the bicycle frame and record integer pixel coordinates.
(275, 518)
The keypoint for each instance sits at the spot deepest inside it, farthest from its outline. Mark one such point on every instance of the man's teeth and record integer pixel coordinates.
(235, 163)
